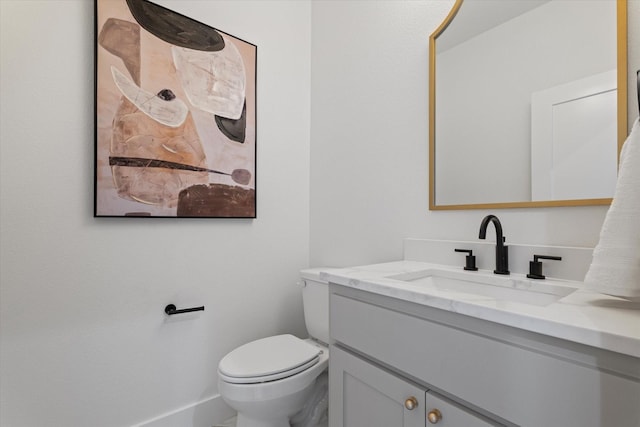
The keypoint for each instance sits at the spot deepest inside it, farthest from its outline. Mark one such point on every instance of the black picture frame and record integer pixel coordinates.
(175, 115)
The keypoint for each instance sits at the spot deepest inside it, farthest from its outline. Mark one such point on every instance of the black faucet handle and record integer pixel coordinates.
(470, 259)
(535, 266)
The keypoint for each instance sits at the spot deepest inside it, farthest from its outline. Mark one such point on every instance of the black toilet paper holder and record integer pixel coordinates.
(171, 309)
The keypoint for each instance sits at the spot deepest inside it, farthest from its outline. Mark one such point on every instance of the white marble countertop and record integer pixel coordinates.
(584, 317)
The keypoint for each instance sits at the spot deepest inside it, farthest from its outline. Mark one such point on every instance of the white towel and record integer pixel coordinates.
(615, 268)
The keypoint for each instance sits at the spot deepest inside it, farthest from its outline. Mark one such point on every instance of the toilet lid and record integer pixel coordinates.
(268, 359)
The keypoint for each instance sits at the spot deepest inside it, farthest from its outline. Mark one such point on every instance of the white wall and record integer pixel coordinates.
(369, 127)
(369, 158)
(85, 341)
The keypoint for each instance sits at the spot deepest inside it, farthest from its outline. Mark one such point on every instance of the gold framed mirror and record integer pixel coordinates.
(523, 108)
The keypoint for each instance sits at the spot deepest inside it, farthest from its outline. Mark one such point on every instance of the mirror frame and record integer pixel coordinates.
(621, 24)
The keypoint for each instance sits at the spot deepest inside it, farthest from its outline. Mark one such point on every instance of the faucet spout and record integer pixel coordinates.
(502, 251)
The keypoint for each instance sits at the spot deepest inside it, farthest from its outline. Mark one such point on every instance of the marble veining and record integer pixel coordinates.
(583, 316)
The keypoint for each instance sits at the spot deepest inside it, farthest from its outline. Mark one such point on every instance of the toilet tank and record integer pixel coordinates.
(315, 299)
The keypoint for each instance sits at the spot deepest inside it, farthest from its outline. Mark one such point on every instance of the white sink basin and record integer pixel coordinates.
(488, 286)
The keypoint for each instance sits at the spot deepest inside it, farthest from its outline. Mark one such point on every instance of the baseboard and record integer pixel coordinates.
(205, 413)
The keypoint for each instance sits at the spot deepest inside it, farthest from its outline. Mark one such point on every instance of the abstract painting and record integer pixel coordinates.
(175, 105)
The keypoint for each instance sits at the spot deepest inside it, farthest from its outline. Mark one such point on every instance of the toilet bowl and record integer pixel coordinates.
(271, 397)
(270, 380)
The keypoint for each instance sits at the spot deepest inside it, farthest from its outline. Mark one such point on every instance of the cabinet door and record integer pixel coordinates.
(363, 395)
(444, 413)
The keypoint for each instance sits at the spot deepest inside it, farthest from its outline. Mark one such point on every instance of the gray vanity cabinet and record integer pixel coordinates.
(444, 413)
(366, 395)
(475, 373)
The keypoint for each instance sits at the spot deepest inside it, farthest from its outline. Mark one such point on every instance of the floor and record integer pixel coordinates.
(228, 423)
(232, 423)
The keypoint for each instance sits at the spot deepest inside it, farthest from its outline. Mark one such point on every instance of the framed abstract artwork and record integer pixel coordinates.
(175, 107)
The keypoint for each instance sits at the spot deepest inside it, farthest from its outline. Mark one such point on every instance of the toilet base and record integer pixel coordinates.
(271, 413)
(245, 421)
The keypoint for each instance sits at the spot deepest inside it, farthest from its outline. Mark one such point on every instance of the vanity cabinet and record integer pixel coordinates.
(366, 395)
(371, 397)
(385, 351)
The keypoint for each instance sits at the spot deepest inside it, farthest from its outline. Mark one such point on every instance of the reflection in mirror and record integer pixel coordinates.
(524, 107)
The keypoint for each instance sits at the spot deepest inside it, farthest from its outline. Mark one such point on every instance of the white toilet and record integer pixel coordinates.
(271, 380)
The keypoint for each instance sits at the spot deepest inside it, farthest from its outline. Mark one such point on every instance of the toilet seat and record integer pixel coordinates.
(268, 359)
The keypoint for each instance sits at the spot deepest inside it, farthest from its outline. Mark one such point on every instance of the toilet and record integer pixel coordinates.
(281, 380)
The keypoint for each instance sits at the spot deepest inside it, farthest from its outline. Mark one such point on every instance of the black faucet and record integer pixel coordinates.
(502, 251)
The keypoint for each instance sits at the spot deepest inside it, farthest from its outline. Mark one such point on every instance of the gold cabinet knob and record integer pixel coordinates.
(434, 416)
(411, 403)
